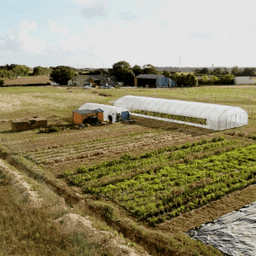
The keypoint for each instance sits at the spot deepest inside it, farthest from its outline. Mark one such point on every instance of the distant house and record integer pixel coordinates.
(83, 80)
(153, 81)
(243, 80)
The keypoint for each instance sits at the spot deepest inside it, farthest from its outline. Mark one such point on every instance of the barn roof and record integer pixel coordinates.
(88, 111)
(149, 76)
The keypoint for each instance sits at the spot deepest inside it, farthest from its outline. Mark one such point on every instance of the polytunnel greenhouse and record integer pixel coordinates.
(205, 115)
(108, 111)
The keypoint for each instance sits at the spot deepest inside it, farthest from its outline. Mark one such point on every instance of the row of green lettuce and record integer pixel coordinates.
(173, 117)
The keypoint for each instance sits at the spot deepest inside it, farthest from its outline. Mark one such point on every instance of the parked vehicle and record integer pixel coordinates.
(87, 87)
(108, 87)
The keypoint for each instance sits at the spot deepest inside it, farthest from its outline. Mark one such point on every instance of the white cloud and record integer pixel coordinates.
(76, 43)
(2, 42)
(55, 28)
(127, 16)
(25, 24)
(92, 8)
(28, 42)
(22, 40)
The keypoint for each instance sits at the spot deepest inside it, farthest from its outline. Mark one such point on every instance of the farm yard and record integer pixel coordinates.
(148, 181)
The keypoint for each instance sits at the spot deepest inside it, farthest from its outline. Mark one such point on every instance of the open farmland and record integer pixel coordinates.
(150, 180)
(28, 80)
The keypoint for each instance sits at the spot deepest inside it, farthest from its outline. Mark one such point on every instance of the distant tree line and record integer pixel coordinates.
(236, 71)
(13, 70)
(216, 80)
(41, 71)
(125, 73)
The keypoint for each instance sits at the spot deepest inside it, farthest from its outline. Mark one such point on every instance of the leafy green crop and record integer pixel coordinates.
(174, 117)
(152, 188)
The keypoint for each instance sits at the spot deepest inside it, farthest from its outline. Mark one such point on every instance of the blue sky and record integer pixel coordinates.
(99, 33)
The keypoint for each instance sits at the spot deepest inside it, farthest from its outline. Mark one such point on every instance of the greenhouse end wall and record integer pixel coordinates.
(218, 117)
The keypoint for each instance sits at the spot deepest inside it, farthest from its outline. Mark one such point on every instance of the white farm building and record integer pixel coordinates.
(243, 80)
(210, 116)
(110, 113)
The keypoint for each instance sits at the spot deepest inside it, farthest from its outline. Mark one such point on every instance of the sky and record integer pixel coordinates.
(99, 33)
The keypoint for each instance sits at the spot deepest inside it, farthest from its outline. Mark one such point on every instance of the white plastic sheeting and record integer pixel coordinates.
(108, 110)
(233, 234)
(218, 117)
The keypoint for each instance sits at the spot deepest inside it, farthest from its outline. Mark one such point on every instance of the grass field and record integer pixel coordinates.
(149, 181)
(28, 80)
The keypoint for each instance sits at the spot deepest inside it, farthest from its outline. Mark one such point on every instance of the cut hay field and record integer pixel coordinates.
(147, 182)
(28, 80)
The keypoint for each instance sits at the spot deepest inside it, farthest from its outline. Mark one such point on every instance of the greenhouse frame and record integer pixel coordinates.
(217, 117)
(108, 111)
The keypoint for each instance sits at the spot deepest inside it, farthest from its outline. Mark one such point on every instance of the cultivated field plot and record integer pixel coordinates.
(150, 180)
(155, 186)
(73, 148)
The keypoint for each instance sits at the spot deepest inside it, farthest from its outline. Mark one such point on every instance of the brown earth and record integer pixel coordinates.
(73, 148)
(28, 80)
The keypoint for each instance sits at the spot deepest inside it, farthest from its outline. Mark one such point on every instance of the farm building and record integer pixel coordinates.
(83, 80)
(110, 113)
(243, 80)
(87, 116)
(205, 115)
(153, 81)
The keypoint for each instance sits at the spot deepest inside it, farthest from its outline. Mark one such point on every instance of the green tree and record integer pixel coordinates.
(191, 80)
(167, 74)
(205, 71)
(225, 71)
(235, 71)
(137, 70)
(197, 71)
(149, 69)
(120, 70)
(20, 70)
(38, 71)
(99, 71)
(217, 71)
(227, 79)
(214, 80)
(248, 72)
(129, 78)
(1, 83)
(62, 74)
(174, 75)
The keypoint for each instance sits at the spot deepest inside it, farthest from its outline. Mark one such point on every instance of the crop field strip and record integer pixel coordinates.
(81, 135)
(155, 188)
(82, 150)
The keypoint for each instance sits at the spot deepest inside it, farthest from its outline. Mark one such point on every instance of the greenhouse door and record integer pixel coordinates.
(232, 121)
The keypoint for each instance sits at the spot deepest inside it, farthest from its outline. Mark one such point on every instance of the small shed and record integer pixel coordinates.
(153, 81)
(110, 113)
(83, 115)
(243, 80)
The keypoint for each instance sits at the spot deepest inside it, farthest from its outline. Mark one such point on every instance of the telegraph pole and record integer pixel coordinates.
(180, 58)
